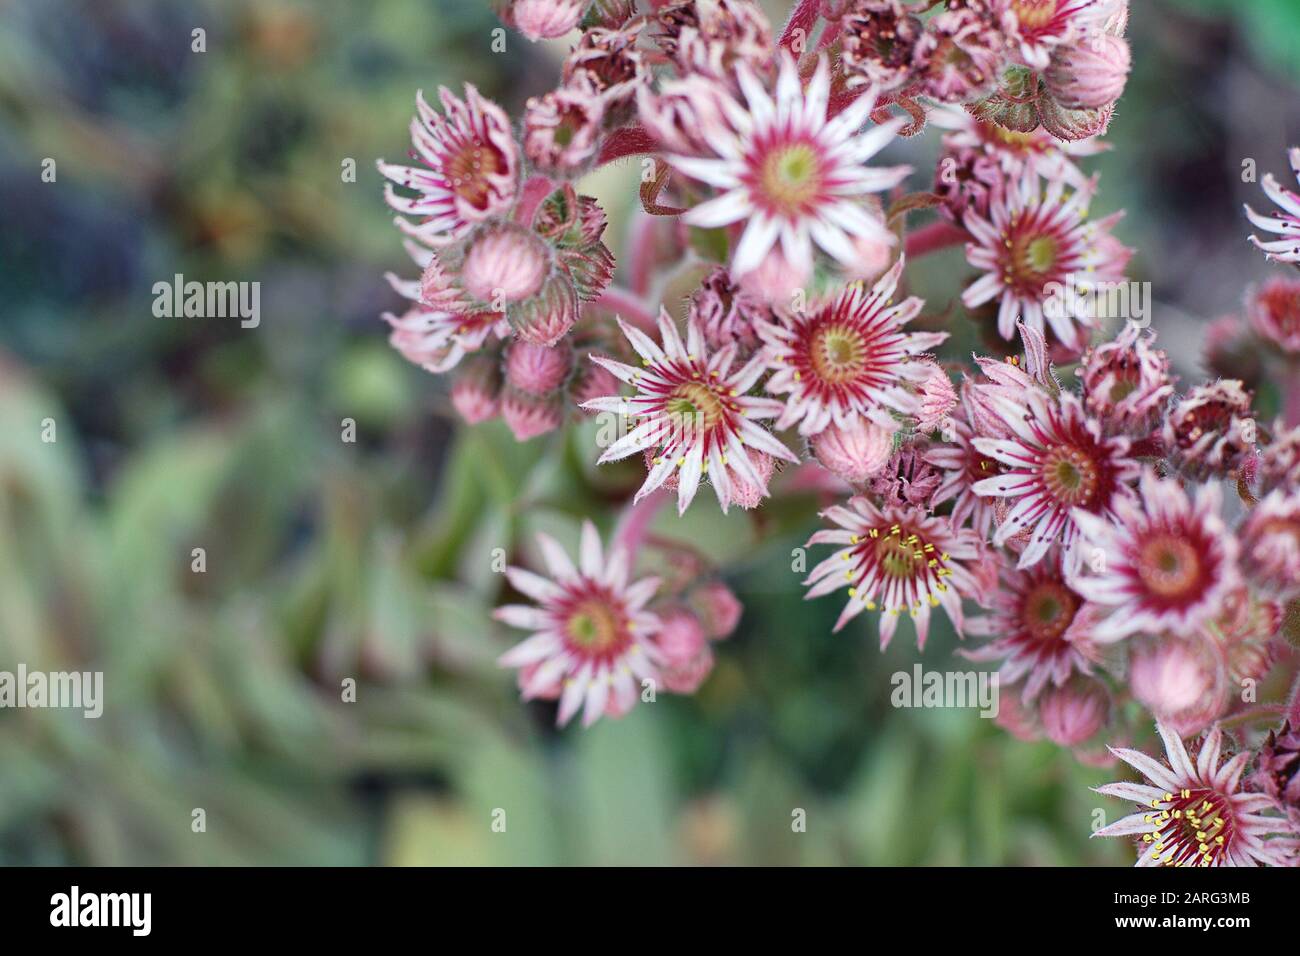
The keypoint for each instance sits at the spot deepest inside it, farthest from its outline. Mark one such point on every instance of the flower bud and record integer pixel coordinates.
(1074, 712)
(546, 19)
(505, 264)
(1175, 680)
(719, 609)
(685, 656)
(537, 369)
(547, 316)
(528, 416)
(476, 391)
(938, 397)
(1091, 74)
(855, 453)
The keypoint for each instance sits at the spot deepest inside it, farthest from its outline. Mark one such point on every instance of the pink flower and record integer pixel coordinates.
(471, 167)
(961, 465)
(1194, 812)
(1055, 466)
(1126, 381)
(562, 129)
(899, 559)
(1041, 257)
(879, 37)
(1014, 152)
(959, 56)
(1212, 430)
(694, 410)
(1274, 312)
(792, 174)
(1279, 769)
(848, 357)
(908, 478)
(1163, 564)
(1285, 223)
(711, 39)
(591, 631)
(1039, 626)
(726, 312)
(1270, 544)
(612, 63)
(1040, 26)
(437, 340)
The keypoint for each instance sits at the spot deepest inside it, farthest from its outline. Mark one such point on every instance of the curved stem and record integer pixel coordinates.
(624, 142)
(530, 197)
(628, 305)
(635, 521)
(931, 238)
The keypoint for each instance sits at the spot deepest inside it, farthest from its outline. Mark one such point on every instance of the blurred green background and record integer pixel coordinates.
(328, 560)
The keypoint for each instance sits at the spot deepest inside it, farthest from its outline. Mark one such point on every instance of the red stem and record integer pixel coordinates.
(530, 197)
(931, 238)
(635, 521)
(628, 306)
(1291, 406)
(801, 18)
(641, 253)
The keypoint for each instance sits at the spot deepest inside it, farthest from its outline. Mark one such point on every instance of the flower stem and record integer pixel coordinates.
(802, 19)
(635, 521)
(628, 305)
(931, 238)
(530, 197)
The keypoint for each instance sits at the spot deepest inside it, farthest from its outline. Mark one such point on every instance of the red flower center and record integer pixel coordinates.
(1190, 828)
(468, 169)
(1169, 566)
(1048, 609)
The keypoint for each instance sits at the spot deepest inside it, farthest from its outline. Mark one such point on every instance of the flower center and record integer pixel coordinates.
(838, 353)
(1048, 610)
(898, 558)
(1168, 565)
(1070, 475)
(1281, 304)
(1002, 136)
(468, 171)
(693, 404)
(790, 178)
(596, 627)
(1034, 14)
(1190, 828)
(1032, 258)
